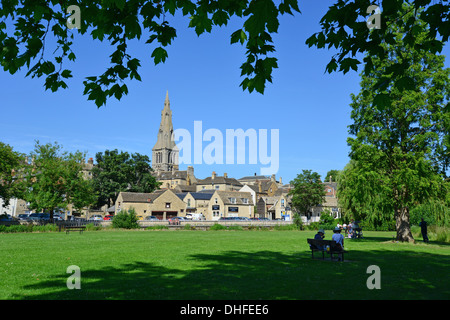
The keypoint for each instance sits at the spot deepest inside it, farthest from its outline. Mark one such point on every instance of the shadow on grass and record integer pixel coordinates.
(266, 275)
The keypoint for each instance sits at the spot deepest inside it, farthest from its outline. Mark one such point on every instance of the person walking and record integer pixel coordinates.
(424, 230)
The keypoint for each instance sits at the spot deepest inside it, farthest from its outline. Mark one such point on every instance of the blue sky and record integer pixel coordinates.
(309, 107)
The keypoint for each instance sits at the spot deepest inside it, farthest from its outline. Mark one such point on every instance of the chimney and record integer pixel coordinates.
(273, 178)
(213, 175)
(281, 181)
(225, 175)
(260, 187)
(91, 161)
(189, 175)
(330, 179)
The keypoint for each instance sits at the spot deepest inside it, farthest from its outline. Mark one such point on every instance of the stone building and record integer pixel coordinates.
(164, 204)
(197, 202)
(230, 204)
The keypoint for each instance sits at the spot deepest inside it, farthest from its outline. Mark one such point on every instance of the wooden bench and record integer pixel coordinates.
(321, 246)
(74, 228)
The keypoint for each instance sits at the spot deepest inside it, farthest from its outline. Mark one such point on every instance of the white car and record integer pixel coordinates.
(96, 217)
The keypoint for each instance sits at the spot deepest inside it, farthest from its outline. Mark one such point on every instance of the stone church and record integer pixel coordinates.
(165, 155)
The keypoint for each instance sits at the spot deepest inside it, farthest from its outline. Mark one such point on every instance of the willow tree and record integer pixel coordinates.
(400, 131)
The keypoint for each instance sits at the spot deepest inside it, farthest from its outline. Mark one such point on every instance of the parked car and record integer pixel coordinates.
(6, 217)
(108, 217)
(57, 217)
(96, 217)
(34, 216)
(151, 218)
(23, 217)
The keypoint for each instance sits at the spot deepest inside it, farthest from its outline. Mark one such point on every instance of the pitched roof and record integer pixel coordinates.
(219, 180)
(254, 178)
(226, 195)
(176, 174)
(141, 197)
(201, 195)
(180, 188)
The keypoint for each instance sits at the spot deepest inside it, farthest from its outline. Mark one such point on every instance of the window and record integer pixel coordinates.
(244, 200)
(189, 202)
(167, 204)
(216, 201)
(217, 187)
(232, 200)
(282, 202)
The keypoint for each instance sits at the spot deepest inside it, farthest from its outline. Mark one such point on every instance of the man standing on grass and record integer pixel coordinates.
(424, 230)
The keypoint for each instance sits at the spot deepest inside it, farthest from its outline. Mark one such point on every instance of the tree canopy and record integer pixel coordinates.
(400, 153)
(31, 22)
(26, 25)
(307, 191)
(10, 162)
(53, 179)
(117, 171)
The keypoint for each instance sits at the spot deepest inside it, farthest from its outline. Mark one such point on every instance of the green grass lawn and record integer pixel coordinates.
(216, 265)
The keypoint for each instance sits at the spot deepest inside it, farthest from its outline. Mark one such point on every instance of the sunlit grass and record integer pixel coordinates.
(216, 265)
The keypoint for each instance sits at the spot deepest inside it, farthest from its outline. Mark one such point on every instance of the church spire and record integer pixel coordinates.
(165, 151)
(167, 101)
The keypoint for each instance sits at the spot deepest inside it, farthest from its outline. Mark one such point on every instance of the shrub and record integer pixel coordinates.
(187, 227)
(46, 228)
(298, 222)
(326, 218)
(125, 220)
(442, 235)
(157, 227)
(93, 227)
(217, 226)
(287, 227)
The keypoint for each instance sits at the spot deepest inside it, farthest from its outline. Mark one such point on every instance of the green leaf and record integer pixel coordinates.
(382, 101)
(159, 55)
(405, 83)
(238, 35)
(66, 74)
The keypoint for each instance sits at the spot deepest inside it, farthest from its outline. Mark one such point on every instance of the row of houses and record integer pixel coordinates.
(220, 196)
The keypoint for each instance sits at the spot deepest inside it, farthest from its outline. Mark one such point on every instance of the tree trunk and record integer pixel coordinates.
(402, 225)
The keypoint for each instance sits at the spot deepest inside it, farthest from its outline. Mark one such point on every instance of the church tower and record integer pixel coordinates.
(165, 152)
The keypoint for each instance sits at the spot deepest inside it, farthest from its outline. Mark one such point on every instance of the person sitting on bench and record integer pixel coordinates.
(320, 235)
(339, 239)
